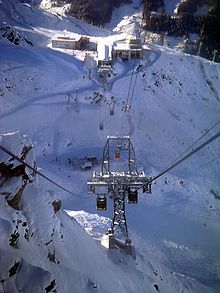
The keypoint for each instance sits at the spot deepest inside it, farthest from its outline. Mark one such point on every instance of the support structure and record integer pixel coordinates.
(120, 179)
(119, 224)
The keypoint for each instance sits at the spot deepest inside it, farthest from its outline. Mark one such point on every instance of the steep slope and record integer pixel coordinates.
(39, 25)
(41, 245)
(48, 95)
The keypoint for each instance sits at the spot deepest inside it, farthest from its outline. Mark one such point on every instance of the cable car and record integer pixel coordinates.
(117, 153)
(132, 195)
(101, 203)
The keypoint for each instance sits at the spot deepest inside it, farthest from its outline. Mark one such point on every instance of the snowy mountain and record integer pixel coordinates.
(55, 101)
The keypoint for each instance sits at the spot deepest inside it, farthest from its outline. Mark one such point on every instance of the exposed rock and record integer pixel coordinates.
(13, 36)
(25, 151)
(7, 171)
(51, 256)
(14, 202)
(14, 239)
(50, 287)
(56, 205)
(13, 270)
(156, 287)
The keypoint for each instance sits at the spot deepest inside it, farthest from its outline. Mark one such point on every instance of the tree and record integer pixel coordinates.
(94, 11)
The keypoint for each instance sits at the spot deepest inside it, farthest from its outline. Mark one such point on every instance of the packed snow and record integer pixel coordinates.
(55, 101)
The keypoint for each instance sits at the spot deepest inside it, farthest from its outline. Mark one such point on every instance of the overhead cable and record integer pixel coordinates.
(195, 142)
(131, 91)
(38, 172)
(191, 172)
(214, 137)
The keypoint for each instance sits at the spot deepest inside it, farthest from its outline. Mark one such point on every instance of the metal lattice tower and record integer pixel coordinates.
(119, 178)
(119, 223)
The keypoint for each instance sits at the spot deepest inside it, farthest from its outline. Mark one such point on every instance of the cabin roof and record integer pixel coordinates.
(67, 38)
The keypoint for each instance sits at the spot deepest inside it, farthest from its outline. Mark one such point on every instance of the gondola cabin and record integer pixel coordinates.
(117, 154)
(101, 203)
(132, 196)
(86, 166)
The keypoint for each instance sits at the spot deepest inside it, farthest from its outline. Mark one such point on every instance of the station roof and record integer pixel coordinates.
(87, 164)
(67, 37)
(121, 46)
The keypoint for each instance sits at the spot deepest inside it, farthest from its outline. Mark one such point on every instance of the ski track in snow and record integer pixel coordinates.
(40, 98)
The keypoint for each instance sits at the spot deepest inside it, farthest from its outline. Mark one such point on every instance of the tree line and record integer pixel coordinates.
(97, 12)
(210, 33)
(185, 22)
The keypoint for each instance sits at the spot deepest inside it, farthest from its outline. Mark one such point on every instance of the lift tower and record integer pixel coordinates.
(119, 178)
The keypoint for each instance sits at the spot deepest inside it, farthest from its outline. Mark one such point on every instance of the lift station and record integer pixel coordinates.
(119, 179)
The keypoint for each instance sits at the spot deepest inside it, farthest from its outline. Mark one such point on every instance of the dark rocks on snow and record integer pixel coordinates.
(14, 239)
(13, 270)
(56, 205)
(7, 171)
(51, 256)
(11, 34)
(50, 287)
(14, 202)
(156, 287)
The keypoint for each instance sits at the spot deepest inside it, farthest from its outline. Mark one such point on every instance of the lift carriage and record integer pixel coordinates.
(117, 153)
(101, 203)
(132, 195)
(101, 200)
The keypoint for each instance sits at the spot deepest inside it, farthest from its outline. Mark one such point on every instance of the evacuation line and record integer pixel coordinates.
(37, 172)
(187, 156)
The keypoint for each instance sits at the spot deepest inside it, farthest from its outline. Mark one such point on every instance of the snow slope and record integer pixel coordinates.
(48, 96)
(53, 245)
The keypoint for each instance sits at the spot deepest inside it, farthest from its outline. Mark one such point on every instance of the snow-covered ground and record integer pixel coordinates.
(170, 6)
(52, 98)
(127, 19)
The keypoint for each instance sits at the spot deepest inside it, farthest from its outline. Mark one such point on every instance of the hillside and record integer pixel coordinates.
(196, 22)
(50, 98)
(92, 11)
